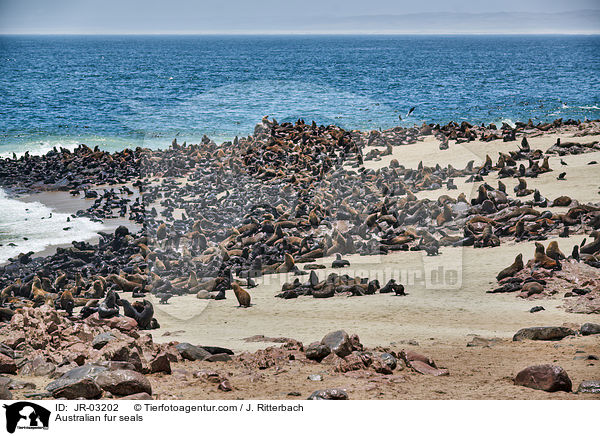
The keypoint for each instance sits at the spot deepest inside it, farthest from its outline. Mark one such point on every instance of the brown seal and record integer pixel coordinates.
(554, 252)
(511, 270)
(243, 297)
(66, 301)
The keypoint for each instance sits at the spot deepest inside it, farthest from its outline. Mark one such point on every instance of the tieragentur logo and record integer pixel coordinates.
(24, 415)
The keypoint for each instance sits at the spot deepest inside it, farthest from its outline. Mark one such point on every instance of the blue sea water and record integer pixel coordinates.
(119, 91)
(127, 91)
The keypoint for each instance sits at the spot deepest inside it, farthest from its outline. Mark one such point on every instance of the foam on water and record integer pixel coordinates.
(41, 226)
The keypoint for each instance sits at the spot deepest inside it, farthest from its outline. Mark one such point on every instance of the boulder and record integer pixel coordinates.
(543, 333)
(192, 352)
(220, 357)
(123, 382)
(590, 329)
(77, 383)
(102, 339)
(549, 378)
(317, 351)
(329, 394)
(338, 342)
(389, 360)
(589, 387)
(160, 363)
(7, 365)
(38, 367)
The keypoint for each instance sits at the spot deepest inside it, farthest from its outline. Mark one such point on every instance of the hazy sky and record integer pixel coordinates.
(227, 16)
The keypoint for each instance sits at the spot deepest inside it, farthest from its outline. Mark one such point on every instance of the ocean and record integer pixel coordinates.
(128, 91)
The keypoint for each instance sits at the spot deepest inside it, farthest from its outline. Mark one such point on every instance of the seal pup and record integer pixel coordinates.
(510, 271)
(243, 297)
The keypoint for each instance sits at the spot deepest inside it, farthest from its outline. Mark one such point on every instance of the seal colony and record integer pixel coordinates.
(214, 218)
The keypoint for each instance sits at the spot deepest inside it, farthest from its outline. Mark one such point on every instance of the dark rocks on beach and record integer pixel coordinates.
(160, 363)
(7, 365)
(192, 352)
(543, 333)
(78, 383)
(549, 378)
(338, 342)
(535, 309)
(102, 339)
(317, 351)
(329, 394)
(123, 382)
(590, 329)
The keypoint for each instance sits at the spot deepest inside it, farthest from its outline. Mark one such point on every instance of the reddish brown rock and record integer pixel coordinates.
(338, 342)
(160, 363)
(424, 368)
(7, 365)
(123, 382)
(550, 378)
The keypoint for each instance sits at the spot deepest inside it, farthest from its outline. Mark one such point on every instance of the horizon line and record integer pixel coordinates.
(301, 33)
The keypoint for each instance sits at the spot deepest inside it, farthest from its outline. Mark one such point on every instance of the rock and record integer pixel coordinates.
(543, 333)
(354, 362)
(590, 329)
(549, 378)
(102, 339)
(380, 366)
(77, 383)
(389, 360)
(535, 309)
(589, 387)
(7, 365)
(5, 394)
(160, 363)
(123, 382)
(329, 394)
(220, 357)
(424, 368)
(139, 396)
(338, 342)
(315, 377)
(38, 367)
(317, 351)
(6, 350)
(191, 352)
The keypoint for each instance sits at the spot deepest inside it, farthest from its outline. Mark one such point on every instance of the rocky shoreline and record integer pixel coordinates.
(215, 218)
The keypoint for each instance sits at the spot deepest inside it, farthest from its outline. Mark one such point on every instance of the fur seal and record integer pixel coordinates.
(242, 296)
(142, 312)
(108, 307)
(339, 262)
(510, 271)
(66, 301)
(554, 252)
